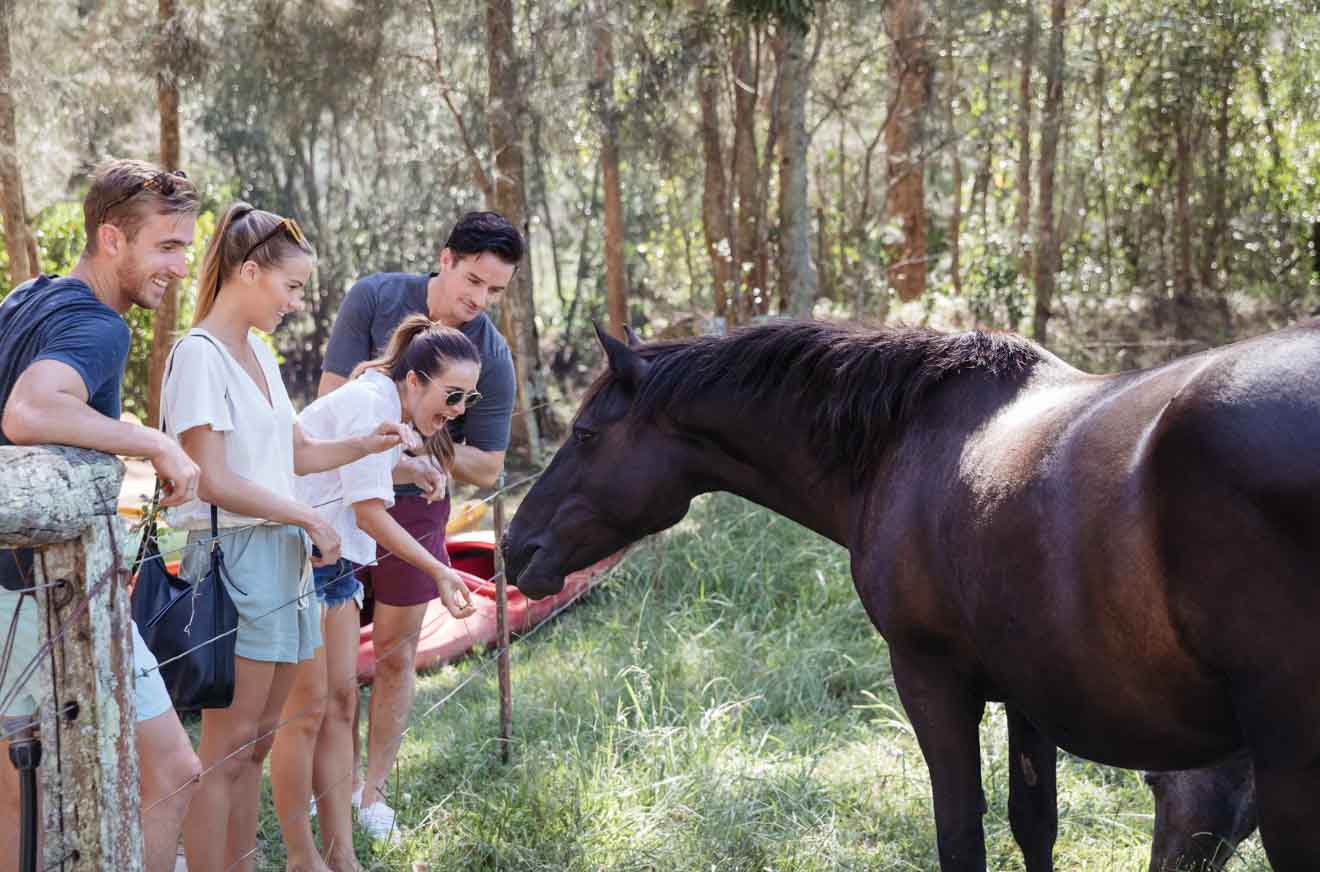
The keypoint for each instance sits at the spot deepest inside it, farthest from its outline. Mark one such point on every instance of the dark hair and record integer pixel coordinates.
(241, 227)
(125, 192)
(478, 232)
(426, 347)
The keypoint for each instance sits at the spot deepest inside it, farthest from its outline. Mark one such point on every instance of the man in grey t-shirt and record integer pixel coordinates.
(476, 264)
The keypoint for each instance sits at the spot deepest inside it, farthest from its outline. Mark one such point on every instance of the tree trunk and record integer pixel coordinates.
(21, 265)
(1182, 294)
(1047, 246)
(955, 216)
(616, 290)
(1101, 162)
(797, 274)
(745, 177)
(165, 321)
(1022, 219)
(517, 308)
(1210, 259)
(715, 219)
(910, 70)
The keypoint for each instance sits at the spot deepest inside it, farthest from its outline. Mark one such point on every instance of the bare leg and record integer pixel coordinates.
(291, 762)
(392, 692)
(167, 762)
(221, 823)
(335, 758)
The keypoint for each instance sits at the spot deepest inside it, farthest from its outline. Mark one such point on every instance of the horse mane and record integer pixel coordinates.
(855, 385)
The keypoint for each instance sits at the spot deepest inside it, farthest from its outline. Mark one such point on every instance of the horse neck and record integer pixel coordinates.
(769, 461)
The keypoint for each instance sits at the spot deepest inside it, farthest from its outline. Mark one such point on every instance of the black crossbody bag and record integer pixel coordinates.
(191, 629)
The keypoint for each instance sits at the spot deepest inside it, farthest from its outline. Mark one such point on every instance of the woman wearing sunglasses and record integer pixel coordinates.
(224, 401)
(426, 378)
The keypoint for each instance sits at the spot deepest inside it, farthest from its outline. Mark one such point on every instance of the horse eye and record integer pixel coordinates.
(580, 435)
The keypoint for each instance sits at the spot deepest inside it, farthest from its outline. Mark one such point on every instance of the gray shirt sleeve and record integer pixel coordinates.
(350, 337)
(486, 425)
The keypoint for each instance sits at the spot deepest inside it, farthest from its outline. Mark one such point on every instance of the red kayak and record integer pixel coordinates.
(444, 638)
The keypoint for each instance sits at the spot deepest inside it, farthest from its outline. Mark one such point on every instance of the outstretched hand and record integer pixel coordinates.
(455, 595)
(390, 434)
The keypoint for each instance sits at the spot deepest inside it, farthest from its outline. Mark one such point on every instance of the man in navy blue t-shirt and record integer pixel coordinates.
(63, 346)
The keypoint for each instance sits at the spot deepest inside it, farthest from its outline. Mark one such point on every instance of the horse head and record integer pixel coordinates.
(619, 477)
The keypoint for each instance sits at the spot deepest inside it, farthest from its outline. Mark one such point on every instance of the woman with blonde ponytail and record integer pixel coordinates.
(426, 378)
(224, 401)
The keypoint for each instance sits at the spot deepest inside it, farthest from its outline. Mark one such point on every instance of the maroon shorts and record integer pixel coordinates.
(396, 583)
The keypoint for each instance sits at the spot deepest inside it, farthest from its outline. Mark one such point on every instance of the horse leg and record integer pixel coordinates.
(1033, 809)
(946, 715)
(1289, 807)
(1201, 815)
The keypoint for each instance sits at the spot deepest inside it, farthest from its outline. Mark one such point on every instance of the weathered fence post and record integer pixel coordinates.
(61, 501)
(502, 625)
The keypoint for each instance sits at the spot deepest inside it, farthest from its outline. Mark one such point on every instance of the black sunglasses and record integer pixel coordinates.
(163, 183)
(454, 396)
(286, 225)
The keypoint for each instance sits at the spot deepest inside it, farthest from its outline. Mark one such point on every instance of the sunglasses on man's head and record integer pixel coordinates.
(163, 183)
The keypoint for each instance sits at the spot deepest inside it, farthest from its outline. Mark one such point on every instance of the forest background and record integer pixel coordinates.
(1125, 182)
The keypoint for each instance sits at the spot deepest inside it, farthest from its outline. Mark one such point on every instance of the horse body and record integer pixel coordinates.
(1127, 561)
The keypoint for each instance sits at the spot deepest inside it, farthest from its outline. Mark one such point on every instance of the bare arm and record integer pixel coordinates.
(222, 487)
(376, 522)
(329, 382)
(478, 467)
(316, 455)
(49, 405)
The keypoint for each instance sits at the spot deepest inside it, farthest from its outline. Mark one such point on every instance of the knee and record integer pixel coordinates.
(343, 702)
(261, 748)
(171, 778)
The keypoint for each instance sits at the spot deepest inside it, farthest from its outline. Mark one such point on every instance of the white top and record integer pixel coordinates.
(206, 386)
(354, 409)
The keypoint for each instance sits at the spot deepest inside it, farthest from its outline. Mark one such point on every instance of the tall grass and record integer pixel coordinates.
(721, 703)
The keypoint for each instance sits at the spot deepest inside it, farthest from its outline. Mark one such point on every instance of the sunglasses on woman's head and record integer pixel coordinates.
(286, 225)
(162, 183)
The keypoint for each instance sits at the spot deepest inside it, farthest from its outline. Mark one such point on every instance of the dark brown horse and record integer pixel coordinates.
(1129, 562)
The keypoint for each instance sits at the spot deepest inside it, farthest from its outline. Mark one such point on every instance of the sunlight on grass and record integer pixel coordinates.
(721, 703)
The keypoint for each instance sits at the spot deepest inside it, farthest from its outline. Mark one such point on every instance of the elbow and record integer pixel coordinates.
(487, 478)
(21, 426)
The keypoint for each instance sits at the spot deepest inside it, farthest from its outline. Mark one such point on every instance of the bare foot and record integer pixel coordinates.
(313, 865)
(343, 861)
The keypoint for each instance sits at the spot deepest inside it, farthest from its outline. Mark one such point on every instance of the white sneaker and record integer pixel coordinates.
(378, 820)
(311, 806)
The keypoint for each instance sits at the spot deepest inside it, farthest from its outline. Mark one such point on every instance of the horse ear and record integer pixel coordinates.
(633, 341)
(626, 364)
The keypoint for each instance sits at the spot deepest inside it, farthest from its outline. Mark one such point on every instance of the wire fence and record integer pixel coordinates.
(45, 713)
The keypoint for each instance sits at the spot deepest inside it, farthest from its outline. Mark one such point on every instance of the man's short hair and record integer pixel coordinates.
(478, 232)
(126, 192)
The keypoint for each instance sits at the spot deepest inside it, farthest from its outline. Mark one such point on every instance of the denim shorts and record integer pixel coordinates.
(337, 584)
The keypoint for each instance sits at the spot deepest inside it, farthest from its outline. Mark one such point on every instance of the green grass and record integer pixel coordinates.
(721, 703)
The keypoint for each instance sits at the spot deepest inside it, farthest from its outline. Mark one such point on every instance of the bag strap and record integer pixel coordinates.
(155, 500)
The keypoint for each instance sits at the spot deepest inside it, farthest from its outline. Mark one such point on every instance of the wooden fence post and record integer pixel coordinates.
(61, 501)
